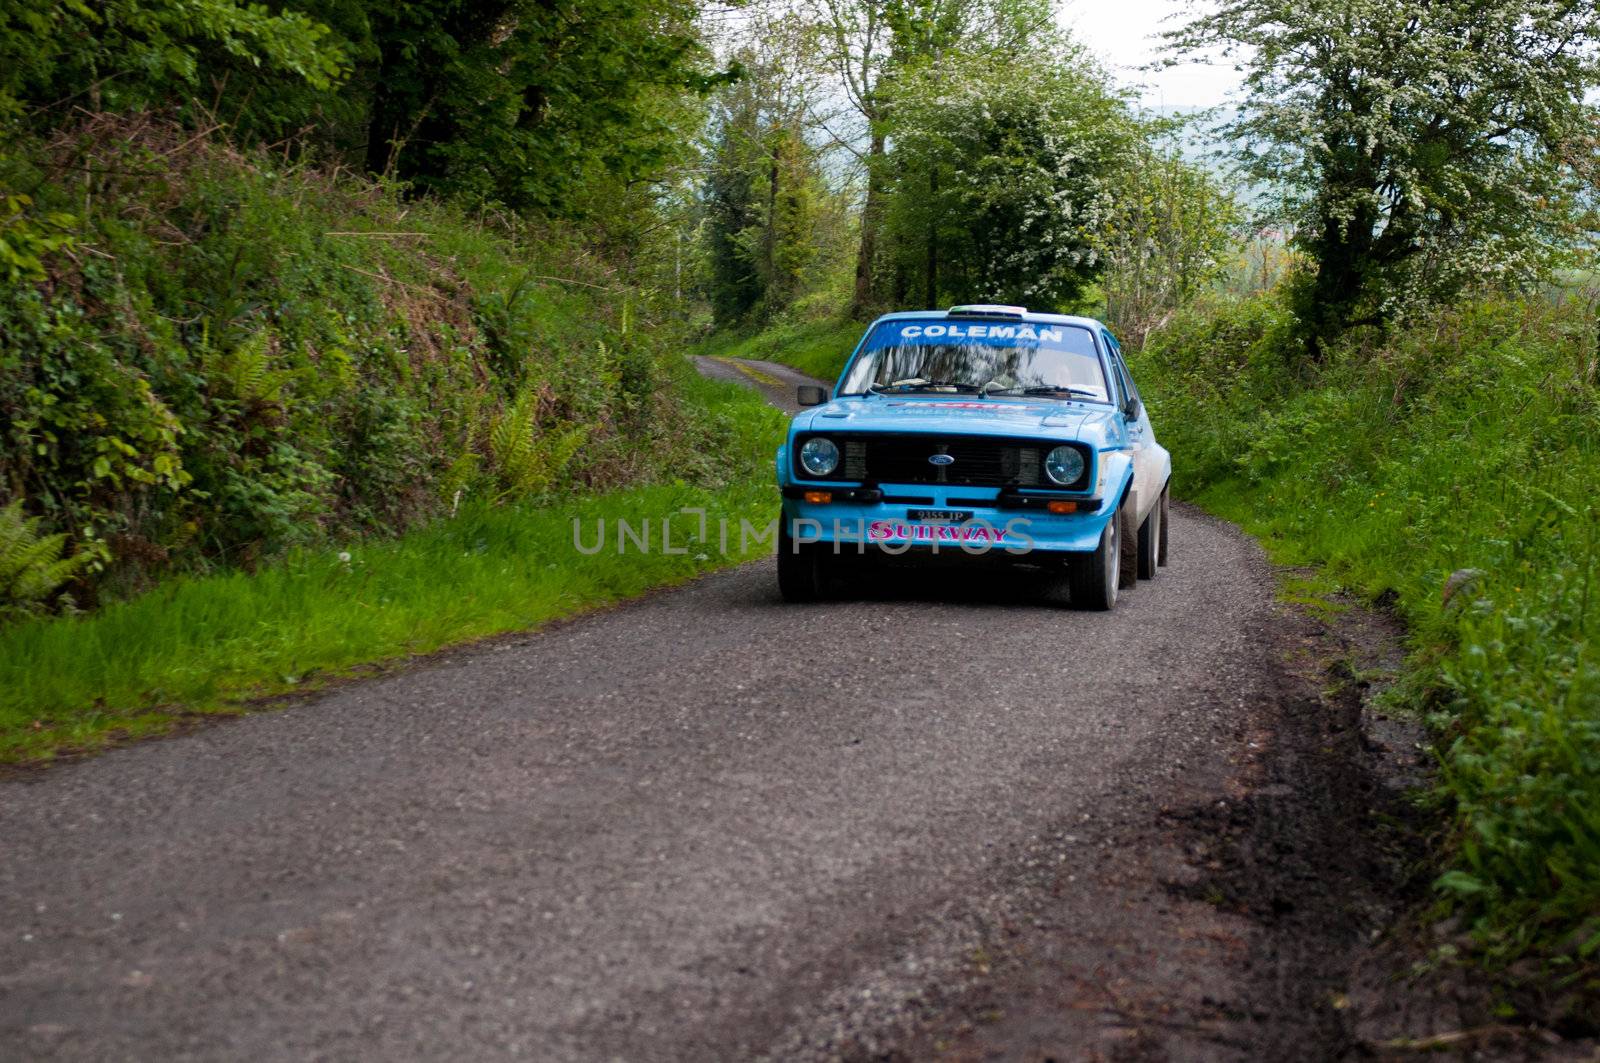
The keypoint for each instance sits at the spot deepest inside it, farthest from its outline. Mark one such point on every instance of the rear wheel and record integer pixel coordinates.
(1161, 551)
(1092, 580)
(1128, 561)
(803, 568)
(1150, 533)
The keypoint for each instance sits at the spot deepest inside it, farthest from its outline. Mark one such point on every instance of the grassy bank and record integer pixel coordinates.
(206, 643)
(222, 372)
(210, 356)
(1452, 471)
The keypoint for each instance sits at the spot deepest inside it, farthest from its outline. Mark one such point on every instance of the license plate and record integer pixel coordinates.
(941, 516)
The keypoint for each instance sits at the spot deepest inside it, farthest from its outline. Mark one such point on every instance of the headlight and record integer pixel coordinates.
(819, 456)
(1064, 465)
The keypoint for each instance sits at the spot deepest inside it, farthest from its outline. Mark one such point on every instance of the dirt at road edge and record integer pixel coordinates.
(1272, 920)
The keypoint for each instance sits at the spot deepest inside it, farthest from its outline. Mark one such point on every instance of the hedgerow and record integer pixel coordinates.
(212, 355)
(1462, 452)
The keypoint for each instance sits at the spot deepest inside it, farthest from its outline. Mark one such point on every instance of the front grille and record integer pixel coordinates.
(977, 461)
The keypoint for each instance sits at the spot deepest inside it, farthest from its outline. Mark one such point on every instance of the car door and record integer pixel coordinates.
(1150, 461)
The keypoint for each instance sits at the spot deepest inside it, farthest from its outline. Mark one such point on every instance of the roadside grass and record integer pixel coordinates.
(816, 348)
(1466, 446)
(209, 644)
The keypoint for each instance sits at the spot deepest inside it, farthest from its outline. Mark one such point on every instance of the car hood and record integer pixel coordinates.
(962, 415)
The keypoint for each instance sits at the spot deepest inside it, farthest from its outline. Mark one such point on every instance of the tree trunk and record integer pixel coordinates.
(862, 303)
(1329, 302)
(770, 251)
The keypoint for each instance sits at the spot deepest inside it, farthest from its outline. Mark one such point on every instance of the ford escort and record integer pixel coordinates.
(977, 433)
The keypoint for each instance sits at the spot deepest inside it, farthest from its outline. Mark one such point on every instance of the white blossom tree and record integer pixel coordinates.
(1007, 177)
(1420, 145)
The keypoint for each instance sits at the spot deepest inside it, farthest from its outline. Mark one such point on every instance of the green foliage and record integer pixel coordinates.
(875, 47)
(516, 102)
(1418, 149)
(138, 53)
(1005, 179)
(770, 222)
(523, 101)
(527, 458)
(25, 241)
(229, 367)
(1170, 234)
(32, 570)
(1468, 441)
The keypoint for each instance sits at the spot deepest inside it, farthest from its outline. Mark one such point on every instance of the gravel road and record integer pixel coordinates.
(776, 381)
(703, 825)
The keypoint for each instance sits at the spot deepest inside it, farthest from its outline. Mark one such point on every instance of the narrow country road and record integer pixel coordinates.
(776, 381)
(705, 825)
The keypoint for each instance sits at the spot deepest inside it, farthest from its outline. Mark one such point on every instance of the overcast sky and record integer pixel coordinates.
(1125, 35)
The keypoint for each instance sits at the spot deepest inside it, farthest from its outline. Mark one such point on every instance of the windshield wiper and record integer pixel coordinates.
(1057, 389)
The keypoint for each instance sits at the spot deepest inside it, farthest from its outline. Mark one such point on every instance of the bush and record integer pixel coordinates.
(221, 356)
(1468, 441)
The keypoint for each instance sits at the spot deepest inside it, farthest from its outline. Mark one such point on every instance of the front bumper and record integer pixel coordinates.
(856, 519)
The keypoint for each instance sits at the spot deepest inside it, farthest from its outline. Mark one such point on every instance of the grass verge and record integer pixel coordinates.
(212, 643)
(1450, 472)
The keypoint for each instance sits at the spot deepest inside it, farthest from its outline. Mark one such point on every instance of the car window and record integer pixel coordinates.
(1124, 378)
(1119, 396)
(996, 357)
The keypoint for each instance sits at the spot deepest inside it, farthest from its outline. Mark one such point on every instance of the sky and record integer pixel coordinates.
(1125, 35)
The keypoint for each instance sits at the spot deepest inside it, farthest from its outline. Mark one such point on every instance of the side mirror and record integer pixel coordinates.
(1132, 410)
(811, 395)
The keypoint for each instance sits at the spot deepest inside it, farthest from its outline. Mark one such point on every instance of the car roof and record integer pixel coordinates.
(1027, 315)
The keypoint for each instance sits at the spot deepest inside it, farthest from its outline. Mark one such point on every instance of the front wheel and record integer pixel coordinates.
(1092, 580)
(802, 567)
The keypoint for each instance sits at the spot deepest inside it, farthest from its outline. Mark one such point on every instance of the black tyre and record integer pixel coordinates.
(1092, 580)
(802, 567)
(1150, 540)
(1161, 550)
(1128, 569)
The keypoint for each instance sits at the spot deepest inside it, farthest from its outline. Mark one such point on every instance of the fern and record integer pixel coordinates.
(527, 460)
(32, 569)
(248, 370)
(245, 372)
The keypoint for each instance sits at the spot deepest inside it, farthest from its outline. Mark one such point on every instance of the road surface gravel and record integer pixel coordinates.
(701, 825)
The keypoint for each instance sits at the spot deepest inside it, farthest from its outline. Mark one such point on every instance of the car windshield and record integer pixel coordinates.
(982, 357)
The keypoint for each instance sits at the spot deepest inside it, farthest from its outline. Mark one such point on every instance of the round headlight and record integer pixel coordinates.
(819, 456)
(1064, 465)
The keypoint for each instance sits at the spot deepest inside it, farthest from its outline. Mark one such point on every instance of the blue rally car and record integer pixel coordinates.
(982, 432)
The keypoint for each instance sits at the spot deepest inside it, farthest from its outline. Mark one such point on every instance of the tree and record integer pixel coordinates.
(859, 33)
(1421, 146)
(135, 53)
(1007, 176)
(1168, 235)
(873, 45)
(732, 206)
(767, 207)
(523, 101)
